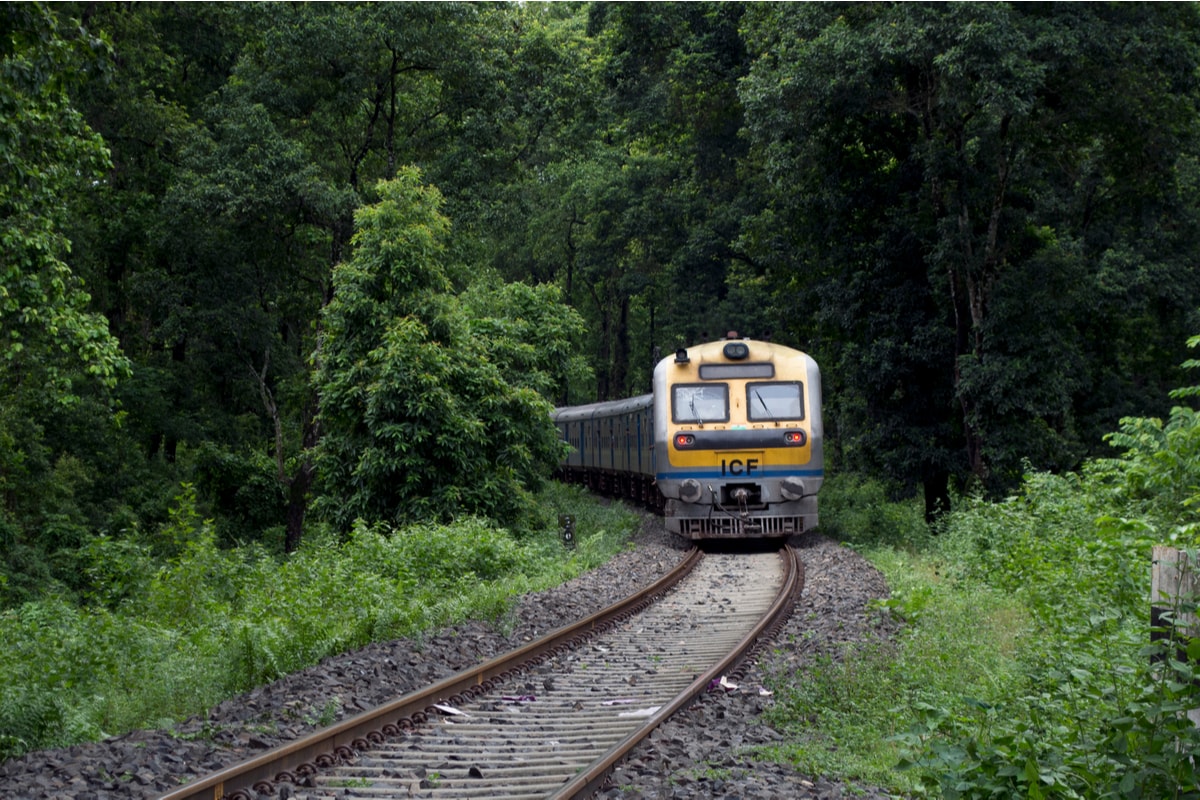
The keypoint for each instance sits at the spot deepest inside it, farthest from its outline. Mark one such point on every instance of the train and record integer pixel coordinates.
(728, 445)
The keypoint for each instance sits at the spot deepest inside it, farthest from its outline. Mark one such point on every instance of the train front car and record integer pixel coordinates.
(739, 440)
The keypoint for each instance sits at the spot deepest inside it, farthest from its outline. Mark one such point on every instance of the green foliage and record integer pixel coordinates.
(427, 411)
(526, 332)
(47, 335)
(173, 626)
(115, 571)
(58, 361)
(1158, 474)
(1026, 666)
(857, 510)
(1092, 717)
(981, 219)
(73, 675)
(847, 709)
(198, 582)
(1160, 470)
(245, 497)
(930, 171)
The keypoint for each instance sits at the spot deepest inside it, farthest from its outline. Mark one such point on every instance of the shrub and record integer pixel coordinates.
(857, 510)
(165, 636)
(1092, 717)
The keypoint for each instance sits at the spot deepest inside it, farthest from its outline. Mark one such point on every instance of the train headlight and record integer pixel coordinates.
(690, 491)
(791, 488)
(736, 351)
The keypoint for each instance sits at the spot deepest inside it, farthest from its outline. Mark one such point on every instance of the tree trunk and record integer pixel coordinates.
(620, 369)
(300, 483)
(937, 494)
(297, 506)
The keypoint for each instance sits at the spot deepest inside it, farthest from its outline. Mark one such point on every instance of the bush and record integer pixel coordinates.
(857, 510)
(73, 675)
(114, 571)
(173, 626)
(1092, 717)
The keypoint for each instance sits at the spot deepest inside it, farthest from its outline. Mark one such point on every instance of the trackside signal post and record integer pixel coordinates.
(566, 524)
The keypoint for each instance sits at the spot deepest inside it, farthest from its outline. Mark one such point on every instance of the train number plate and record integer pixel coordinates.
(740, 465)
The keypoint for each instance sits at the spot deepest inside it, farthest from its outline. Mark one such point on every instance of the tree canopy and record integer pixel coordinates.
(974, 215)
(430, 403)
(336, 261)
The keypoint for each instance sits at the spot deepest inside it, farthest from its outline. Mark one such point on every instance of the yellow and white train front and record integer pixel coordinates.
(738, 439)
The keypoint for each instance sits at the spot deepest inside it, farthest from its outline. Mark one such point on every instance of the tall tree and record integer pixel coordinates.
(49, 155)
(428, 411)
(137, 247)
(246, 136)
(634, 199)
(351, 91)
(956, 187)
(58, 360)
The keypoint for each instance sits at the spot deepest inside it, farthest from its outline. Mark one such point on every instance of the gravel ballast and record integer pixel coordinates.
(700, 754)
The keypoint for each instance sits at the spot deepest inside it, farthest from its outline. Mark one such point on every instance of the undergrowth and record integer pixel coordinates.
(1025, 665)
(174, 624)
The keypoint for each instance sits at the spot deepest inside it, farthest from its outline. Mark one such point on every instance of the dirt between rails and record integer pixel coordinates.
(700, 754)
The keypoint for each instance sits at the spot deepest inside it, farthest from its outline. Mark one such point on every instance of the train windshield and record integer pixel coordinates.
(774, 401)
(700, 403)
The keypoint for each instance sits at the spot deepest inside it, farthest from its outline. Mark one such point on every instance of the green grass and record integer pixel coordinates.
(161, 640)
(843, 716)
(1022, 668)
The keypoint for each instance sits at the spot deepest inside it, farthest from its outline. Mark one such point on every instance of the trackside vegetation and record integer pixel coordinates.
(174, 623)
(1025, 666)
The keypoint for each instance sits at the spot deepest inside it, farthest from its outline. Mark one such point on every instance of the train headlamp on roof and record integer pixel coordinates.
(736, 351)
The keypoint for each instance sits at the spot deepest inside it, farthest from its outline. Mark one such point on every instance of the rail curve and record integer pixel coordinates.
(368, 755)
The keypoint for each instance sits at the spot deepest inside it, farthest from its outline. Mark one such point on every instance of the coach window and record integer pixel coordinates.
(774, 401)
(700, 403)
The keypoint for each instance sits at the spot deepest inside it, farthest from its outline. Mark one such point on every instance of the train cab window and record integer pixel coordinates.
(700, 403)
(767, 402)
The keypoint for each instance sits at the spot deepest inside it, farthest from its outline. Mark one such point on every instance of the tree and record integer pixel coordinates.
(955, 189)
(245, 137)
(426, 411)
(48, 334)
(58, 360)
(635, 212)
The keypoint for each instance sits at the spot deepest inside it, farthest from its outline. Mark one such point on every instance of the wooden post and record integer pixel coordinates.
(1172, 577)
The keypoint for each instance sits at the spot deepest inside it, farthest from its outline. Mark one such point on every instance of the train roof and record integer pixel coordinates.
(754, 350)
(627, 405)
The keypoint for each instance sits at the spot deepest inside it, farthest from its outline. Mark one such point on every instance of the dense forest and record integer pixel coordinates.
(318, 263)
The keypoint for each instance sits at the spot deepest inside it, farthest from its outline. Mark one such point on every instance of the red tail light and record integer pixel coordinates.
(794, 437)
(684, 440)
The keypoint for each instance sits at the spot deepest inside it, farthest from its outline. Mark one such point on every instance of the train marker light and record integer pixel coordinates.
(794, 437)
(684, 440)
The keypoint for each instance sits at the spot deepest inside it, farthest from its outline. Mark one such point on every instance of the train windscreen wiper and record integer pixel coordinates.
(762, 402)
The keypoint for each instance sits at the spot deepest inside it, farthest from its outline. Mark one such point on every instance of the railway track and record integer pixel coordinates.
(550, 719)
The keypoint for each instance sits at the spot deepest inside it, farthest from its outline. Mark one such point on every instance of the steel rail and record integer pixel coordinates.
(338, 742)
(590, 780)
